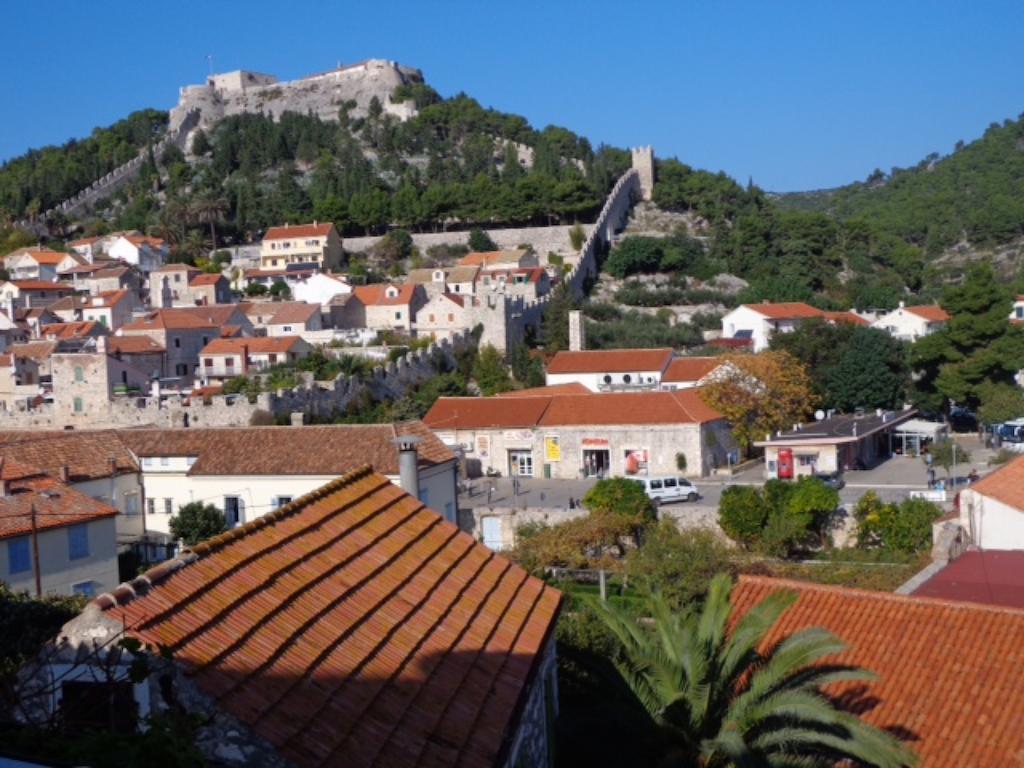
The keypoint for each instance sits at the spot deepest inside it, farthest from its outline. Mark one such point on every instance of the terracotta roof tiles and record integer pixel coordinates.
(1006, 484)
(207, 279)
(933, 313)
(76, 330)
(353, 627)
(788, 310)
(88, 454)
(310, 450)
(55, 504)
(260, 345)
(610, 361)
(133, 345)
(950, 675)
(375, 295)
(41, 285)
(690, 369)
(289, 232)
(569, 388)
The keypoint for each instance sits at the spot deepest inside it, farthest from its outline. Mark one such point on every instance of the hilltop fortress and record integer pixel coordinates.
(323, 94)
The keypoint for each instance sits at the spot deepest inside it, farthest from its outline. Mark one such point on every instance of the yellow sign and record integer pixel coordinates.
(552, 448)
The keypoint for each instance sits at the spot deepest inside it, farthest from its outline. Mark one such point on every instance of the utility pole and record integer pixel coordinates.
(954, 468)
(35, 551)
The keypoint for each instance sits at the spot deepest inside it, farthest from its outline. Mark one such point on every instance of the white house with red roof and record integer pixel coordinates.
(32, 293)
(38, 263)
(320, 288)
(1017, 312)
(754, 324)
(146, 253)
(992, 508)
(911, 323)
(315, 245)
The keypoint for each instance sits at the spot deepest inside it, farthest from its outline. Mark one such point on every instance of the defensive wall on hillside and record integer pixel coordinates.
(108, 185)
(544, 240)
(322, 399)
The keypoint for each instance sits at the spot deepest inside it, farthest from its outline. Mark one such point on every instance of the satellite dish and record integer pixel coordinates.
(819, 414)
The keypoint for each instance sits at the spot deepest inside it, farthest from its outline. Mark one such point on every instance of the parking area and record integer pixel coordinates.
(893, 480)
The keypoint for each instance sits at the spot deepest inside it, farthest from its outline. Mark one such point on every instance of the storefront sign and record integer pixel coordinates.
(552, 448)
(595, 442)
(637, 460)
(518, 436)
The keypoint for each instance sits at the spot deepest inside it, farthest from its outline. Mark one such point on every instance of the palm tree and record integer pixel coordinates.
(722, 702)
(210, 209)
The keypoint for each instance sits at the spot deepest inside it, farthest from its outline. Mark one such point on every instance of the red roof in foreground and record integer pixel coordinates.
(933, 313)
(1005, 485)
(56, 505)
(353, 626)
(992, 577)
(950, 675)
(610, 361)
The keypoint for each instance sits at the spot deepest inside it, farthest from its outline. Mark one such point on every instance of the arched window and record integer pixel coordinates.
(79, 373)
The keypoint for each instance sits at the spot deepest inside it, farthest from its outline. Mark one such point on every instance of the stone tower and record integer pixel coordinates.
(643, 162)
(577, 331)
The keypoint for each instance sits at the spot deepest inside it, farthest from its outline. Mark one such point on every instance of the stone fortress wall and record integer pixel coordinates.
(239, 92)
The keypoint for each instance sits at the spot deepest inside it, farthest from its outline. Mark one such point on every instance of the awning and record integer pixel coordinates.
(922, 428)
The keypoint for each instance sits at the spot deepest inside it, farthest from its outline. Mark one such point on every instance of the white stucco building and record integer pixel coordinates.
(992, 509)
(755, 324)
(602, 370)
(247, 472)
(911, 323)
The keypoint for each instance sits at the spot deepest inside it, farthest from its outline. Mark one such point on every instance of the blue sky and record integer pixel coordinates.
(796, 95)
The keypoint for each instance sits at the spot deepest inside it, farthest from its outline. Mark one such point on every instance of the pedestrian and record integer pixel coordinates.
(931, 477)
(490, 491)
(572, 503)
(972, 476)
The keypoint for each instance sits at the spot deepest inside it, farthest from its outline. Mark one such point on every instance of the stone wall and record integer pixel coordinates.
(543, 239)
(318, 399)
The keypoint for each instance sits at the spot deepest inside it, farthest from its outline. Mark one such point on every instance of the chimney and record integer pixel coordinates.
(577, 331)
(408, 464)
(65, 473)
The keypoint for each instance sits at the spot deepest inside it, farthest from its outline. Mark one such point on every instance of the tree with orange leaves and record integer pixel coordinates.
(759, 394)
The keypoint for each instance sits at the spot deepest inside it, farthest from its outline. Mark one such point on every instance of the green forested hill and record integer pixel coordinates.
(44, 177)
(976, 194)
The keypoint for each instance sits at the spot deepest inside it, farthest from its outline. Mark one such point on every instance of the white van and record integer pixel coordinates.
(668, 489)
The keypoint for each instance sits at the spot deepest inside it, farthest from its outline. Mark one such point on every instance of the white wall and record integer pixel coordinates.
(991, 523)
(59, 573)
(902, 324)
(746, 319)
(257, 492)
(595, 381)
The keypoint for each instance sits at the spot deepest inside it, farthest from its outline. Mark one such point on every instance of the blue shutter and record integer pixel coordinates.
(18, 558)
(78, 541)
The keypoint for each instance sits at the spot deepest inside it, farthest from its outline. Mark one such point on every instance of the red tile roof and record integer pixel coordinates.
(485, 412)
(846, 317)
(286, 450)
(260, 345)
(373, 295)
(950, 675)
(207, 279)
(51, 258)
(353, 627)
(485, 258)
(88, 454)
(55, 504)
(139, 240)
(298, 230)
(41, 285)
(990, 577)
(292, 312)
(789, 310)
(1005, 485)
(76, 330)
(933, 313)
(688, 369)
(169, 319)
(611, 361)
(133, 345)
(34, 350)
(591, 409)
(569, 388)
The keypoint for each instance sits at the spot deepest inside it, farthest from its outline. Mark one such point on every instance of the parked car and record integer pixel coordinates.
(668, 489)
(832, 479)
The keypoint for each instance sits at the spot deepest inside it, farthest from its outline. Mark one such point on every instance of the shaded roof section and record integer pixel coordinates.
(34, 350)
(690, 369)
(311, 450)
(485, 412)
(844, 428)
(845, 317)
(287, 232)
(169, 319)
(610, 361)
(41, 285)
(1006, 484)
(75, 330)
(990, 577)
(949, 674)
(353, 626)
(133, 345)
